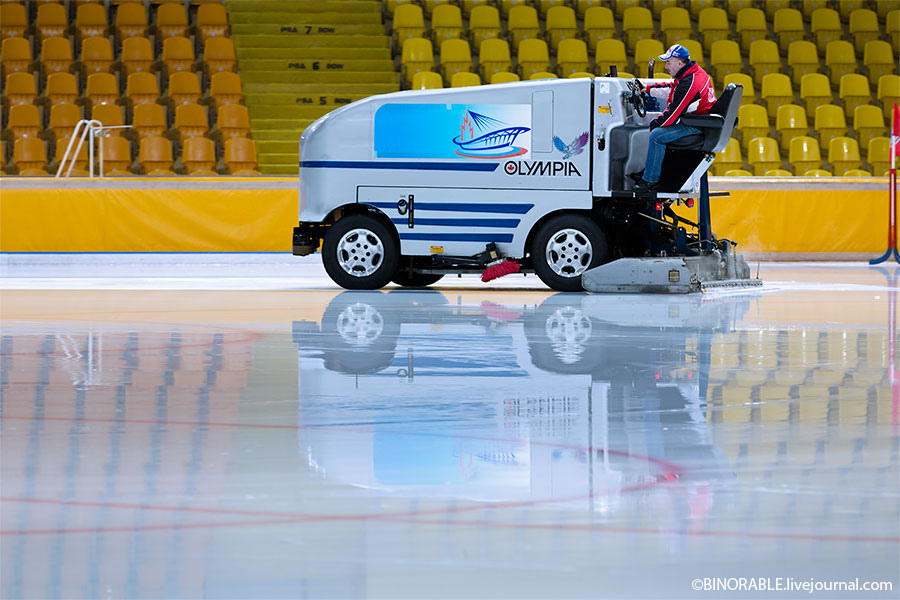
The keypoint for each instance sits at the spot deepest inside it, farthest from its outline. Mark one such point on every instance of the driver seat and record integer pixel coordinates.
(717, 125)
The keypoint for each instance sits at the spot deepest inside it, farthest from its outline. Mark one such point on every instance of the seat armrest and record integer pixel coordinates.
(703, 120)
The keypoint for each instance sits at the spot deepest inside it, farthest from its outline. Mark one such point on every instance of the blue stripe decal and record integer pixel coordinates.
(413, 166)
(514, 209)
(501, 223)
(459, 237)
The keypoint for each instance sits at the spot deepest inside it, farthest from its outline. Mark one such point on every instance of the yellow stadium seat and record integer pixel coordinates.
(184, 88)
(137, 55)
(572, 57)
(725, 58)
(62, 88)
(830, 123)
(545, 6)
(469, 6)
(621, 6)
(493, 57)
(51, 21)
(847, 7)
(808, 7)
(225, 88)
(771, 7)
(56, 55)
(802, 58)
(116, 154)
(155, 155)
(753, 122)
(15, 55)
(695, 50)
(171, 20)
(79, 169)
(776, 90)
(762, 155)
(857, 173)
(825, 27)
(446, 23)
(409, 23)
(391, 5)
(240, 157)
(815, 90)
(817, 173)
(790, 122)
(735, 6)
(561, 25)
(764, 59)
(804, 154)
(96, 55)
(523, 24)
(582, 6)
(713, 26)
(101, 88)
(879, 59)
(843, 154)
(675, 25)
(148, 120)
(738, 173)
(177, 54)
(868, 121)
(417, 55)
(637, 24)
(219, 56)
(190, 121)
(608, 53)
(63, 118)
(888, 93)
(232, 121)
(141, 88)
(199, 156)
(751, 26)
(90, 20)
(110, 115)
(506, 6)
(212, 21)
(854, 91)
(879, 155)
(892, 28)
(542, 75)
(455, 57)
(625, 75)
(840, 60)
(131, 20)
(464, 79)
(431, 5)
(788, 27)
(580, 75)
(599, 24)
(504, 77)
(534, 57)
(646, 50)
(884, 7)
(729, 158)
(484, 24)
(696, 7)
(30, 156)
(863, 28)
(658, 6)
(427, 80)
(20, 89)
(778, 173)
(13, 20)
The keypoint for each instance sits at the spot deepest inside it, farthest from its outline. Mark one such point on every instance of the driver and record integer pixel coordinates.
(689, 92)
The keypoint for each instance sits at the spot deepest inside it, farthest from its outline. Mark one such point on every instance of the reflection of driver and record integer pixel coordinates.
(689, 92)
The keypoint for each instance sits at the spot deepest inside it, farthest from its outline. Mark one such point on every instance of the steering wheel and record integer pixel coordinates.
(637, 99)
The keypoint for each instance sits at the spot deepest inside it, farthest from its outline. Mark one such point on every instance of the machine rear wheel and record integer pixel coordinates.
(565, 247)
(360, 253)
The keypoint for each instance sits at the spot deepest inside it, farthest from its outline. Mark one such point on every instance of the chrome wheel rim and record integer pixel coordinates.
(360, 252)
(359, 324)
(569, 253)
(569, 330)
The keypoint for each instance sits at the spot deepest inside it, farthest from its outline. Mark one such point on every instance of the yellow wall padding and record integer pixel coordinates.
(224, 216)
(147, 220)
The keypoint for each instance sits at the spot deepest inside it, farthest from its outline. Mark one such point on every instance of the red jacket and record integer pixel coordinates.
(690, 91)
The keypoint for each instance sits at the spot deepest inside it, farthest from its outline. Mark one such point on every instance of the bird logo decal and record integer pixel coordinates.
(573, 149)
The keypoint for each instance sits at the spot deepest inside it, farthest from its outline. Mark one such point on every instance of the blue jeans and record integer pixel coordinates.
(656, 151)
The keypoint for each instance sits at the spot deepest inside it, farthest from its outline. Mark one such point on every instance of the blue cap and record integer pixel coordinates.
(676, 51)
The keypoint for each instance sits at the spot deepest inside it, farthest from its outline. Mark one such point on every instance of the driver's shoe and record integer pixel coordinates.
(637, 176)
(645, 187)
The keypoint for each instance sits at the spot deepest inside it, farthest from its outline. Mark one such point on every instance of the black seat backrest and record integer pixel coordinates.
(727, 107)
(716, 126)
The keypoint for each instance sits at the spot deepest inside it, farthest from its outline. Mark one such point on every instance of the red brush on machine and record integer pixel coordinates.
(500, 268)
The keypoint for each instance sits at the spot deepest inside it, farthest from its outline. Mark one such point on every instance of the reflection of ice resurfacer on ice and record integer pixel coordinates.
(529, 176)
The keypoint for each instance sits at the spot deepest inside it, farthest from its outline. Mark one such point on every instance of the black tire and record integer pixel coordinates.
(370, 269)
(588, 249)
(407, 279)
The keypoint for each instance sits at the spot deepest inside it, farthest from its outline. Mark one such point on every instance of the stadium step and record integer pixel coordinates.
(301, 99)
(314, 53)
(281, 111)
(288, 29)
(320, 77)
(318, 91)
(276, 146)
(312, 41)
(330, 65)
(303, 6)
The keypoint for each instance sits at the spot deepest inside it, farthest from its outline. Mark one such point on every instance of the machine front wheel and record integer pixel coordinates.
(360, 253)
(565, 247)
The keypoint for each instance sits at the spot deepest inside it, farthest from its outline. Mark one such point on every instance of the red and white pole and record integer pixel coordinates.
(892, 192)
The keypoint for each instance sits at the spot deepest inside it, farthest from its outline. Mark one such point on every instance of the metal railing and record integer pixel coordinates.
(90, 130)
